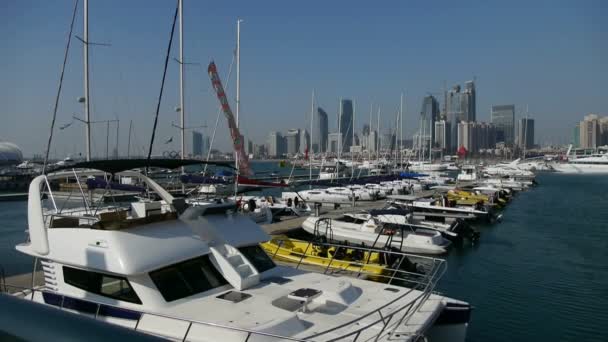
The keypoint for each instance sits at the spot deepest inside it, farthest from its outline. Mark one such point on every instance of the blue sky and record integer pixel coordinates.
(550, 55)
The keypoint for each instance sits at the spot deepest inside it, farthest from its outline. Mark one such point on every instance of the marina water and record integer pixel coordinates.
(539, 275)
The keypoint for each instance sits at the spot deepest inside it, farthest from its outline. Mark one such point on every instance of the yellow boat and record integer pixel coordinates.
(469, 198)
(283, 248)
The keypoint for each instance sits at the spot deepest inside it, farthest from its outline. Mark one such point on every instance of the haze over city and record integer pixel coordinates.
(548, 55)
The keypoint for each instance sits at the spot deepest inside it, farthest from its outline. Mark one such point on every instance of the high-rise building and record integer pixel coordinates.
(503, 118)
(276, 144)
(249, 147)
(469, 102)
(442, 135)
(320, 130)
(475, 136)
(304, 141)
(334, 141)
(525, 133)
(346, 123)
(603, 130)
(576, 136)
(369, 140)
(292, 140)
(429, 114)
(590, 131)
(454, 114)
(197, 144)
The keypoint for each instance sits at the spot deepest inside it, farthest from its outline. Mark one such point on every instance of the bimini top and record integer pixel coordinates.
(119, 165)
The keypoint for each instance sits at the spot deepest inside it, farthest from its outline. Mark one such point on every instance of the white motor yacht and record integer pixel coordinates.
(468, 173)
(426, 166)
(511, 170)
(363, 228)
(278, 206)
(198, 274)
(432, 205)
(592, 164)
(334, 171)
(320, 196)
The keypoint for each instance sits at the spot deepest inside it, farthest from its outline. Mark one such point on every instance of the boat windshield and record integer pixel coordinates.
(256, 255)
(187, 278)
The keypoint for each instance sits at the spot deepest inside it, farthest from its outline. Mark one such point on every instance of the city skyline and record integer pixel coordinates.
(554, 66)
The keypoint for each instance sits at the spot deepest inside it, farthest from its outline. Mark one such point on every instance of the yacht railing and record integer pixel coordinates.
(425, 284)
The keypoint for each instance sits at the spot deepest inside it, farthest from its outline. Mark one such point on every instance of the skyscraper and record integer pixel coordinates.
(503, 118)
(590, 131)
(525, 133)
(428, 115)
(304, 141)
(346, 123)
(197, 144)
(442, 135)
(469, 102)
(275, 144)
(320, 130)
(454, 114)
(576, 136)
(292, 139)
(334, 141)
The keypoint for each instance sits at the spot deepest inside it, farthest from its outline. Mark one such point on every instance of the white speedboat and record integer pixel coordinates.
(432, 205)
(450, 229)
(199, 274)
(593, 164)
(363, 228)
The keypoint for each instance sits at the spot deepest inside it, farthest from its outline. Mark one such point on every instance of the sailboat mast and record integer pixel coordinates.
(352, 154)
(339, 129)
(182, 108)
(238, 98)
(401, 131)
(525, 137)
(430, 138)
(129, 140)
(87, 106)
(379, 137)
(311, 150)
(369, 140)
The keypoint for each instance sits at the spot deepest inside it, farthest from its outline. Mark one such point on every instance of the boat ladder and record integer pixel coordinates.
(328, 233)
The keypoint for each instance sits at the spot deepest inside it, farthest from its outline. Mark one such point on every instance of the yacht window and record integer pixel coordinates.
(101, 284)
(256, 255)
(187, 278)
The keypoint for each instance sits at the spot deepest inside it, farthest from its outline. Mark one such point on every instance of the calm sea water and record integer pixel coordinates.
(539, 275)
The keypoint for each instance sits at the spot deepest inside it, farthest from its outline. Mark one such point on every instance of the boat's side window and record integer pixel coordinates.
(102, 284)
(256, 255)
(187, 278)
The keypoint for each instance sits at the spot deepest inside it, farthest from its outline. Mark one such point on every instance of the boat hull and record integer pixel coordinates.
(372, 239)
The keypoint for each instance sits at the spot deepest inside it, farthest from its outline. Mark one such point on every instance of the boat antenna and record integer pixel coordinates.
(162, 85)
(65, 60)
